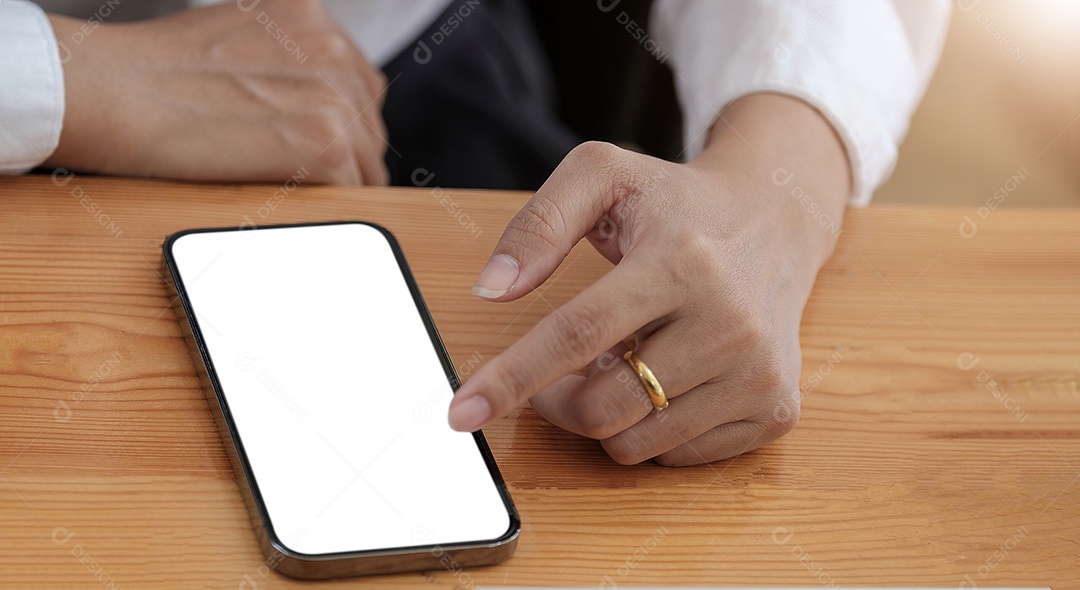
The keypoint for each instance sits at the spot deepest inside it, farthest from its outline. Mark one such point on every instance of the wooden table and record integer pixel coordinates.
(940, 436)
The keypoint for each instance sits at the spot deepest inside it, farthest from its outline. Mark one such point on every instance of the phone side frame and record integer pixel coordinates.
(277, 555)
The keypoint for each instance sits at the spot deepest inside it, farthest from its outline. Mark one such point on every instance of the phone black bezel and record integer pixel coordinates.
(507, 538)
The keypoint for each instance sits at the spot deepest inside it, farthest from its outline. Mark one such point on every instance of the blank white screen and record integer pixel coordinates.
(336, 390)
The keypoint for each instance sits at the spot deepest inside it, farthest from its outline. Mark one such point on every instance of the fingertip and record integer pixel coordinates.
(498, 277)
(468, 415)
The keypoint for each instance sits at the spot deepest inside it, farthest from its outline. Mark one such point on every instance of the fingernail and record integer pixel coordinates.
(497, 277)
(468, 415)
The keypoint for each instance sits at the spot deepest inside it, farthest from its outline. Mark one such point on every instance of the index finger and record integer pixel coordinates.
(622, 301)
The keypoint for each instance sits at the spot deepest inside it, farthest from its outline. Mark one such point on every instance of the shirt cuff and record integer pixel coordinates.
(853, 62)
(32, 92)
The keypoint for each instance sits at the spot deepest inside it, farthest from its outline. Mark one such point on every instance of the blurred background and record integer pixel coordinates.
(1001, 118)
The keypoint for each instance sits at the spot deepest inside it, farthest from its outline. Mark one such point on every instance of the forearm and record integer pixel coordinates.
(87, 137)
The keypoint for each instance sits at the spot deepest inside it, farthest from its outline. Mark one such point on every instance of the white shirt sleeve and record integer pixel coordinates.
(31, 87)
(863, 64)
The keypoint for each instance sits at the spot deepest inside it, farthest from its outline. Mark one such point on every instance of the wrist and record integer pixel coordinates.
(785, 154)
(86, 129)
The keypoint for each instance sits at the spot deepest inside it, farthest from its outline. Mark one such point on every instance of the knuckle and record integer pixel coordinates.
(309, 8)
(771, 378)
(334, 46)
(783, 409)
(510, 384)
(740, 330)
(310, 140)
(310, 15)
(613, 166)
(770, 430)
(325, 130)
(594, 414)
(700, 258)
(335, 155)
(756, 434)
(787, 421)
(626, 449)
(324, 127)
(581, 331)
(596, 153)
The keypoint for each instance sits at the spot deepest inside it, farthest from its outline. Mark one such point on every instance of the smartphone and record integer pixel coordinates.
(330, 386)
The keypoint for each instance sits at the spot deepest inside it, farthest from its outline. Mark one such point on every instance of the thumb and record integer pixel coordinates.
(564, 210)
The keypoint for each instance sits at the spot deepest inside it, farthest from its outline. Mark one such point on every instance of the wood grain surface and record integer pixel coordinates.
(939, 444)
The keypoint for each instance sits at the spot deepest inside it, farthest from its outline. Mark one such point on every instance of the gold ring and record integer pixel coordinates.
(648, 380)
